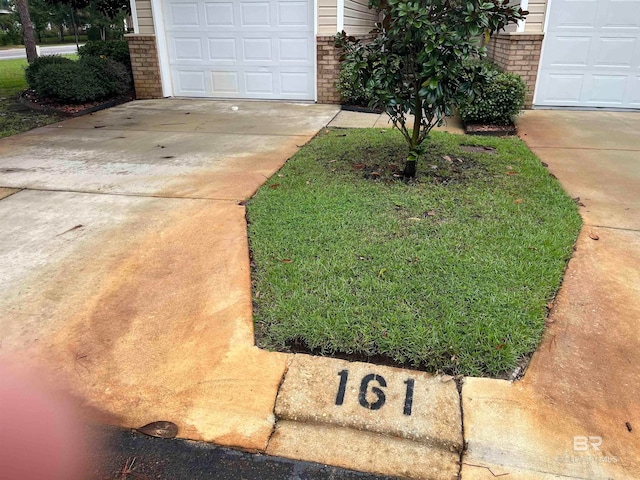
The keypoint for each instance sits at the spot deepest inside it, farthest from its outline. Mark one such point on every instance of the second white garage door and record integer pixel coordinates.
(591, 55)
(260, 49)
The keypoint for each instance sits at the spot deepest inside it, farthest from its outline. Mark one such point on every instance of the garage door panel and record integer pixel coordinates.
(294, 50)
(561, 89)
(192, 83)
(615, 52)
(620, 15)
(188, 48)
(184, 15)
(292, 14)
(225, 84)
(255, 14)
(220, 14)
(575, 15)
(605, 90)
(222, 50)
(258, 50)
(633, 92)
(570, 51)
(591, 54)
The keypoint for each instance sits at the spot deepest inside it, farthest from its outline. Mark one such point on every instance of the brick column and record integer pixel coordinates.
(518, 53)
(328, 64)
(329, 67)
(145, 65)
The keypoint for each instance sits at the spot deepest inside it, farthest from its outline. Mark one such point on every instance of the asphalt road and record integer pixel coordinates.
(13, 53)
(116, 453)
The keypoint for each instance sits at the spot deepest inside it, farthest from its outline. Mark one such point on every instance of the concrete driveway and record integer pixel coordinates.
(575, 414)
(124, 269)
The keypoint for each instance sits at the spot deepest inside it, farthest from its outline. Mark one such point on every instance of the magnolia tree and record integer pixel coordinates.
(419, 62)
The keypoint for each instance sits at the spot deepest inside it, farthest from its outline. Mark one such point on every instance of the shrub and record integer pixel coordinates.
(32, 71)
(88, 79)
(12, 36)
(498, 100)
(352, 87)
(68, 83)
(117, 50)
(113, 76)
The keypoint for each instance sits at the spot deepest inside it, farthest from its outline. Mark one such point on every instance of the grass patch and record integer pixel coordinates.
(14, 118)
(449, 273)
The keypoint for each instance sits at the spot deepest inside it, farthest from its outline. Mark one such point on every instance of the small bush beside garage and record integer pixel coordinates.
(86, 80)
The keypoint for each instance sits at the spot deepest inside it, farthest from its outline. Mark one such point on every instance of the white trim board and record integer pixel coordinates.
(134, 16)
(163, 51)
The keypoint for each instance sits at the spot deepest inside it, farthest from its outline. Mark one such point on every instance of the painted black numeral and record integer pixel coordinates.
(344, 375)
(364, 386)
(408, 398)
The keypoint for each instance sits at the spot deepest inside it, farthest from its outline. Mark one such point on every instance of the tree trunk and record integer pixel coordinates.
(27, 30)
(410, 168)
(75, 28)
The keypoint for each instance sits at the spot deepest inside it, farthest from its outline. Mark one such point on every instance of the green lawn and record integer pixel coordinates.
(449, 273)
(13, 117)
(12, 77)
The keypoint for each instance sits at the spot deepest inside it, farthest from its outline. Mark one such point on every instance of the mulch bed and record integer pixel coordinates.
(358, 108)
(30, 99)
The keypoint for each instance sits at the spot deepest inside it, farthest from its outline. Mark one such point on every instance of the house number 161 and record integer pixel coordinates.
(379, 383)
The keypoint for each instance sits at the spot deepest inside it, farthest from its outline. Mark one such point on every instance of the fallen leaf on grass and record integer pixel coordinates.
(431, 213)
(286, 260)
(381, 273)
(518, 201)
(375, 174)
(512, 172)
(447, 158)
(359, 166)
(414, 219)
(274, 186)
(593, 236)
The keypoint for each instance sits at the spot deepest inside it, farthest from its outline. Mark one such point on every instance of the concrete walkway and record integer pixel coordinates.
(125, 278)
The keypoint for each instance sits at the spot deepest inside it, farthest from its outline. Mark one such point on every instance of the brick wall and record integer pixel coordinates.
(518, 53)
(145, 66)
(329, 67)
(328, 58)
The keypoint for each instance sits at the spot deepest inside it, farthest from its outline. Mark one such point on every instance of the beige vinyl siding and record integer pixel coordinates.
(359, 19)
(145, 18)
(327, 17)
(535, 19)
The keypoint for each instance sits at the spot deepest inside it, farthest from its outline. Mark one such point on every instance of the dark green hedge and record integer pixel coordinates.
(117, 50)
(88, 79)
(32, 71)
(498, 101)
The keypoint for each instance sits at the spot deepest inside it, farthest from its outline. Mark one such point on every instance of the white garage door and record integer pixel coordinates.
(591, 55)
(262, 49)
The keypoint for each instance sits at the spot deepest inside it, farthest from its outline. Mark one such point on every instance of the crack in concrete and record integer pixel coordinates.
(275, 417)
(463, 450)
(115, 194)
(613, 228)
